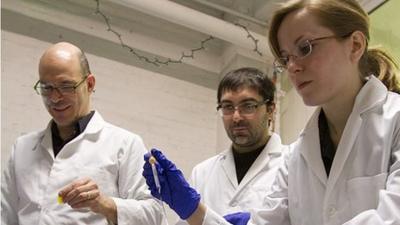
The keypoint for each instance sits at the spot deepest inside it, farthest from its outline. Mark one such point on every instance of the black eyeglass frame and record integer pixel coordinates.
(73, 88)
(236, 107)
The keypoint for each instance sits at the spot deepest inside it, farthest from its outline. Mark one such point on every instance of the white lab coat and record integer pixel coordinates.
(363, 187)
(216, 181)
(111, 156)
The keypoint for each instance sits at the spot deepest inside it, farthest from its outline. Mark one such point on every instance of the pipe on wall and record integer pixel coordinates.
(200, 22)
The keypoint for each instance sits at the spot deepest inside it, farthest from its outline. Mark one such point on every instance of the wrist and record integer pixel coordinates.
(108, 208)
(198, 215)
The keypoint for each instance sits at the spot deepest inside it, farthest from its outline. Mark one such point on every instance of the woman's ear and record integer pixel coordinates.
(358, 43)
(91, 81)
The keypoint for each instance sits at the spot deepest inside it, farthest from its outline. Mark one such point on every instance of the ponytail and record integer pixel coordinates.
(379, 63)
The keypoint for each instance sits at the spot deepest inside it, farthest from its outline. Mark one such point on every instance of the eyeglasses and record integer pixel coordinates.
(302, 50)
(244, 108)
(64, 89)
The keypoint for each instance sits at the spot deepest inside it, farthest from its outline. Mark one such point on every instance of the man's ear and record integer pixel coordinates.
(270, 107)
(270, 114)
(91, 82)
(358, 43)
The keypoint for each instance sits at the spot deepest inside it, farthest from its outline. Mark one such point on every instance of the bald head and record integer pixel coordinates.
(64, 54)
(64, 68)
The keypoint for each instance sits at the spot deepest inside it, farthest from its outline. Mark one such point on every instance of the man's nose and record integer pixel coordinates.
(236, 116)
(55, 95)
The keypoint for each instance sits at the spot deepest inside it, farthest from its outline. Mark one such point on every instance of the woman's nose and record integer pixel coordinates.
(293, 65)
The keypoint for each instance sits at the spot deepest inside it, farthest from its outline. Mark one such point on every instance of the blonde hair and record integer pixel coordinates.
(343, 17)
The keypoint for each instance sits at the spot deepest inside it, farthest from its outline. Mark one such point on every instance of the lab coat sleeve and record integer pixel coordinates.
(212, 218)
(388, 210)
(275, 210)
(135, 204)
(9, 196)
(275, 206)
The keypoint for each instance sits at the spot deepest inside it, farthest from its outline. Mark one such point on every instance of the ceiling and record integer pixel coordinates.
(153, 29)
(256, 13)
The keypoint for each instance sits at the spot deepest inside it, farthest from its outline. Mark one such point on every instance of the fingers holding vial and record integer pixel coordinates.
(79, 193)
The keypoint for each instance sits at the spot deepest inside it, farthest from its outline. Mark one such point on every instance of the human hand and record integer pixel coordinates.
(239, 218)
(175, 190)
(85, 193)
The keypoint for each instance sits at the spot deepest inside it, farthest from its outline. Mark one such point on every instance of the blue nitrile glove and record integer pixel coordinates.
(175, 190)
(239, 218)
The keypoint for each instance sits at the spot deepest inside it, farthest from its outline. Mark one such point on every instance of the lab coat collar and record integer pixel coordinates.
(228, 165)
(46, 141)
(272, 149)
(311, 153)
(274, 145)
(372, 94)
(94, 126)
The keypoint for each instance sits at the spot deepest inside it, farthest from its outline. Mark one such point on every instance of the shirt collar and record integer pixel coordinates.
(79, 126)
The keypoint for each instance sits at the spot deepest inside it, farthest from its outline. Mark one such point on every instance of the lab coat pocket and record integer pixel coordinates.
(104, 179)
(364, 192)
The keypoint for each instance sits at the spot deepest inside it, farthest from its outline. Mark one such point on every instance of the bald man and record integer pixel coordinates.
(79, 169)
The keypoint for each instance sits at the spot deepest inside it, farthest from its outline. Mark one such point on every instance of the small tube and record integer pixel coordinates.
(152, 162)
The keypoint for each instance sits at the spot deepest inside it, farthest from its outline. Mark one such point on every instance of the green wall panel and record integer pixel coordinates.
(385, 28)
